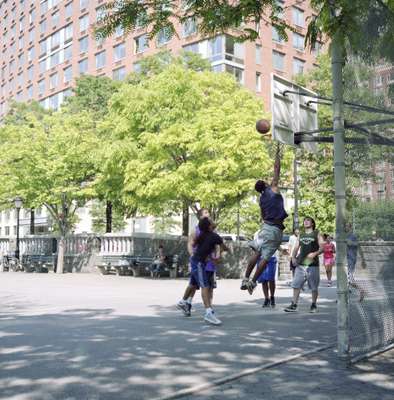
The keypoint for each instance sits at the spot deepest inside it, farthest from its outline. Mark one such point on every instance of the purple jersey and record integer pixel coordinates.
(209, 265)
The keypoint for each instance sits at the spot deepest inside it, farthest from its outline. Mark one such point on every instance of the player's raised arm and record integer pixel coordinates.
(275, 179)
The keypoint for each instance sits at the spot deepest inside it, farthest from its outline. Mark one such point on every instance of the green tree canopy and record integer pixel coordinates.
(188, 137)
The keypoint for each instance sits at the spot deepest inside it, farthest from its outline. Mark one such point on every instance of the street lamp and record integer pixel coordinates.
(18, 205)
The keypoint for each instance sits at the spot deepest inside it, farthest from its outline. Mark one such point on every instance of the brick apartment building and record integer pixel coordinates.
(46, 44)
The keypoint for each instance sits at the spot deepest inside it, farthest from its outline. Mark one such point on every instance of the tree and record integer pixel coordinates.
(190, 139)
(92, 95)
(99, 218)
(48, 161)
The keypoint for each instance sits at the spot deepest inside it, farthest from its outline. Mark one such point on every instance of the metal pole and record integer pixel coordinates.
(337, 57)
(17, 233)
(295, 178)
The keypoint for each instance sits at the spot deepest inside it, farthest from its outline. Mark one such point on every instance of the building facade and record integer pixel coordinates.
(46, 44)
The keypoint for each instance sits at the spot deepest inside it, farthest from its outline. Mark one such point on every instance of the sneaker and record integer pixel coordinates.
(266, 303)
(273, 302)
(329, 283)
(251, 286)
(313, 308)
(212, 319)
(244, 284)
(185, 307)
(291, 308)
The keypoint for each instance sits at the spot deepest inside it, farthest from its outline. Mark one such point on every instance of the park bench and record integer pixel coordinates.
(38, 262)
(134, 265)
(123, 264)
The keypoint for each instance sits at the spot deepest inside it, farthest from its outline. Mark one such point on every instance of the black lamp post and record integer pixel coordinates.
(18, 205)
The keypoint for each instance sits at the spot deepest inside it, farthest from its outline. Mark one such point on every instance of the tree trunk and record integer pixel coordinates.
(185, 219)
(337, 56)
(32, 227)
(60, 255)
(108, 216)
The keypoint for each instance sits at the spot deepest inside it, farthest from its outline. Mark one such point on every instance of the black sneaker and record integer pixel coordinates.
(273, 302)
(185, 307)
(313, 308)
(244, 284)
(266, 303)
(291, 308)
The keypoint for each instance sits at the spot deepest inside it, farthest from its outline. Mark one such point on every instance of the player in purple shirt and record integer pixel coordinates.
(185, 304)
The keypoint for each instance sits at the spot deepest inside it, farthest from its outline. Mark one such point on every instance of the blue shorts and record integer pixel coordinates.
(270, 270)
(199, 277)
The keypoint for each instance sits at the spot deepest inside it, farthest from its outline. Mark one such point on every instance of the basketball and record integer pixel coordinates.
(263, 126)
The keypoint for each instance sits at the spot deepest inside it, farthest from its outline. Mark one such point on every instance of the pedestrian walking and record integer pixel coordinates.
(328, 257)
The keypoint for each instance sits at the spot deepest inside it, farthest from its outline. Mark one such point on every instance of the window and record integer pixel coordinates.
(189, 27)
(258, 54)
(119, 74)
(281, 4)
(21, 59)
(137, 67)
(119, 52)
(43, 66)
(55, 59)
(54, 101)
(68, 10)
(237, 72)
(215, 48)
(30, 54)
(68, 74)
(53, 81)
(55, 40)
(21, 42)
(55, 18)
(100, 13)
(83, 66)
(141, 43)
(258, 82)
(30, 73)
(30, 92)
(275, 36)
(298, 17)
(298, 66)
(43, 47)
(83, 4)
(43, 26)
(298, 41)
(100, 59)
(41, 87)
(68, 33)
(193, 48)
(119, 31)
(83, 23)
(7, 231)
(44, 7)
(278, 60)
(32, 16)
(234, 51)
(217, 68)
(164, 36)
(21, 24)
(19, 79)
(316, 48)
(68, 53)
(83, 44)
(32, 34)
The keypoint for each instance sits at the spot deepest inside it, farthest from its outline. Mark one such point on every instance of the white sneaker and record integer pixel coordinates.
(212, 319)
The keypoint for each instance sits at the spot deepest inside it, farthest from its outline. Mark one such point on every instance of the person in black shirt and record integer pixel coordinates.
(207, 246)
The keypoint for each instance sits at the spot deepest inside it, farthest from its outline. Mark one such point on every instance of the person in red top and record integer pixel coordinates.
(328, 257)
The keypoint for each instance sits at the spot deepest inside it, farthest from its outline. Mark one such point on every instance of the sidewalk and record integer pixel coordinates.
(90, 337)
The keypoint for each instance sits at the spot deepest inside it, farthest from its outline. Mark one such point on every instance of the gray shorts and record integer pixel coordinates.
(266, 241)
(309, 274)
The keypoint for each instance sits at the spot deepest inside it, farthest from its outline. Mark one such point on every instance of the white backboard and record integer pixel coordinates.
(291, 112)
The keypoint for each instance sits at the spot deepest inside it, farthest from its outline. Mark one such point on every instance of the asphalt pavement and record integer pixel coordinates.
(88, 336)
